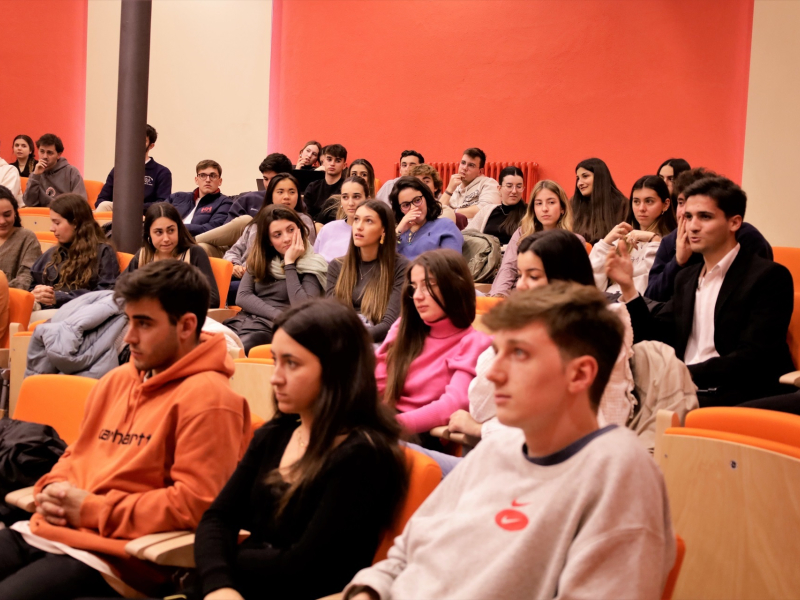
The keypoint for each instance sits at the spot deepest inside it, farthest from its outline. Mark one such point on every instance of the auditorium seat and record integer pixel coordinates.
(93, 189)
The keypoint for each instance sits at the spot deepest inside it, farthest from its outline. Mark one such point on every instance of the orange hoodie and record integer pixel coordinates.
(152, 454)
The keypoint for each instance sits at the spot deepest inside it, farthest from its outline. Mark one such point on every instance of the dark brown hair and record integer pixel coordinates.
(205, 164)
(156, 211)
(262, 252)
(5, 194)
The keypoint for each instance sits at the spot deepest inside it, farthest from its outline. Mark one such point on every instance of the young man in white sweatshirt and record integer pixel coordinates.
(556, 507)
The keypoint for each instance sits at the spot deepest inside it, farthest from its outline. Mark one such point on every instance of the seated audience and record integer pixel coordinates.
(597, 203)
(409, 159)
(219, 240)
(548, 209)
(470, 190)
(370, 276)
(674, 252)
(556, 507)
(81, 262)
(206, 207)
(157, 179)
(361, 167)
(419, 226)
(9, 179)
(320, 482)
(545, 257)
(502, 220)
(19, 247)
(309, 156)
(334, 162)
(670, 170)
(427, 175)
(333, 240)
(26, 159)
(53, 175)
(729, 315)
(159, 438)
(164, 236)
(649, 219)
(4, 305)
(428, 358)
(282, 271)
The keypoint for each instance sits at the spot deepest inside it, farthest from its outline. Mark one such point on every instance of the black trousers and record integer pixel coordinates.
(788, 403)
(27, 573)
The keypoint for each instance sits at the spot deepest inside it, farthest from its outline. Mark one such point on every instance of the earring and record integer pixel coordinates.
(383, 235)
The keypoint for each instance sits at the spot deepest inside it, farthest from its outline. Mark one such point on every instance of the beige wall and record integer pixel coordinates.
(772, 140)
(209, 87)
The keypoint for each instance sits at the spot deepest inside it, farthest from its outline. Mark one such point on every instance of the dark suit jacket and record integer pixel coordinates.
(751, 320)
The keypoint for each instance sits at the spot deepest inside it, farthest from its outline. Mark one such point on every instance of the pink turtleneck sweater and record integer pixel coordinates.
(437, 380)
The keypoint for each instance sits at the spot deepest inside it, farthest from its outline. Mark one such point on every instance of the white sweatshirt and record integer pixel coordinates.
(642, 257)
(590, 521)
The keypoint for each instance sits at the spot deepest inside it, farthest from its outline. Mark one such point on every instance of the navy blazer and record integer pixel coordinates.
(211, 212)
(751, 320)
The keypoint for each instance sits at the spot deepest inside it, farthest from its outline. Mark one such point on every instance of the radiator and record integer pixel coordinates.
(530, 171)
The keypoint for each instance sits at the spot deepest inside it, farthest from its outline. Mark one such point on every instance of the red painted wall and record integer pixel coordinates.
(631, 81)
(43, 58)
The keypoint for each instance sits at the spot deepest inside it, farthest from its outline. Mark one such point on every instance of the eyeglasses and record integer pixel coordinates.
(209, 176)
(406, 206)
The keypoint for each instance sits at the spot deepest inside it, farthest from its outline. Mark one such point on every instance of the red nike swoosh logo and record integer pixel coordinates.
(515, 503)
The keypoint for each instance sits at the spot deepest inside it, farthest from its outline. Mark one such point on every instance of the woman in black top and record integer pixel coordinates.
(165, 236)
(320, 482)
(502, 220)
(23, 150)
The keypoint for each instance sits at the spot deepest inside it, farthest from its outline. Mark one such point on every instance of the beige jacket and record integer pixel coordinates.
(482, 191)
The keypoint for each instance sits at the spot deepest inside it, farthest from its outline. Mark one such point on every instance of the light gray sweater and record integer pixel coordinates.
(590, 521)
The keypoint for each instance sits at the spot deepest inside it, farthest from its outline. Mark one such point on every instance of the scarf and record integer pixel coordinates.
(310, 262)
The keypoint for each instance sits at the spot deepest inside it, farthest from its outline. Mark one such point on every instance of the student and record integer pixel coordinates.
(470, 190)
(429, 176)
(218, 241)
(23, 150)
(502, 220)
(333, 240)
(545, 257)
(555, 507)
(282, 271)
(670, 170)
(159, 438)
(409, 159)
(157, 179)
(165, 236)
(53, 175)
(81, 262)
(429, 355)
(370, 276)
(729, 315)
(597, 204)
(361, 167)
(9, 179)
(649, 219)
(669, 261)
(334, 162)
(309, 156)
(419, 227)
(320, 482)
(19, 247)
(206, 207)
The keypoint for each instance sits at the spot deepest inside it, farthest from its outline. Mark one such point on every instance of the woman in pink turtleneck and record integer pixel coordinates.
(428, 358)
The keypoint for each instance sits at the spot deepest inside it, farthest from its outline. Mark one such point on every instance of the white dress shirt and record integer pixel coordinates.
(700, 346)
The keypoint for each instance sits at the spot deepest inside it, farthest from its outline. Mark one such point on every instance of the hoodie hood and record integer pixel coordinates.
(61, 164)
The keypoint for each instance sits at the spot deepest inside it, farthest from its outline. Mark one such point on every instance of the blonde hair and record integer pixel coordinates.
(530, 224)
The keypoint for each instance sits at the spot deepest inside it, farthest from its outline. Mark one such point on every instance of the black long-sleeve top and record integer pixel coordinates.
(326, 533)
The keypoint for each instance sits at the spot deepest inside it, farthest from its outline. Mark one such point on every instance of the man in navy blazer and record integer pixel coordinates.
(206, 207)
(729, 314)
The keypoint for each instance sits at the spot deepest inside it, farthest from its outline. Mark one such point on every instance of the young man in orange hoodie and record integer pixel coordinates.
(160, 437)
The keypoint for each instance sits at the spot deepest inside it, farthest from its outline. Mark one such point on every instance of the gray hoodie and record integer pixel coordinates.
(62, 179)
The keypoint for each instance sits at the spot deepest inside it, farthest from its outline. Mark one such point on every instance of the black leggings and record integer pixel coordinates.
(30, 574)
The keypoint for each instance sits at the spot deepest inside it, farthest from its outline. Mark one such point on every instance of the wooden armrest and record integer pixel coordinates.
(5, 354)
(22, 498)
(792, 378)
(170, 548)
(220, 314)
(441, 432)
(139, 545)
(338, 596)
(463, 438)
(664, 420)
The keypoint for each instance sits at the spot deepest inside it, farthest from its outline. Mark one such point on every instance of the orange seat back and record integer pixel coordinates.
(588, 248)
(20, 307)
(768, 425)
(92, 190)
(124, 259)
(46, 236)
(263, 352)
(672, 578)
(55, 400)
(793, 335)
(223, 271)
(23, 183)
(483, 304)
(424, 474)
(34, 211)
(789, 258)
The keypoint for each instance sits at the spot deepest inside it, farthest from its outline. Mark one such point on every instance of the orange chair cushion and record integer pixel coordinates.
(736, 438)
(771, 425)
(484, 303)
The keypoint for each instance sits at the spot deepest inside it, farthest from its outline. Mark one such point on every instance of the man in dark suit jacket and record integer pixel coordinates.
(729, 315)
